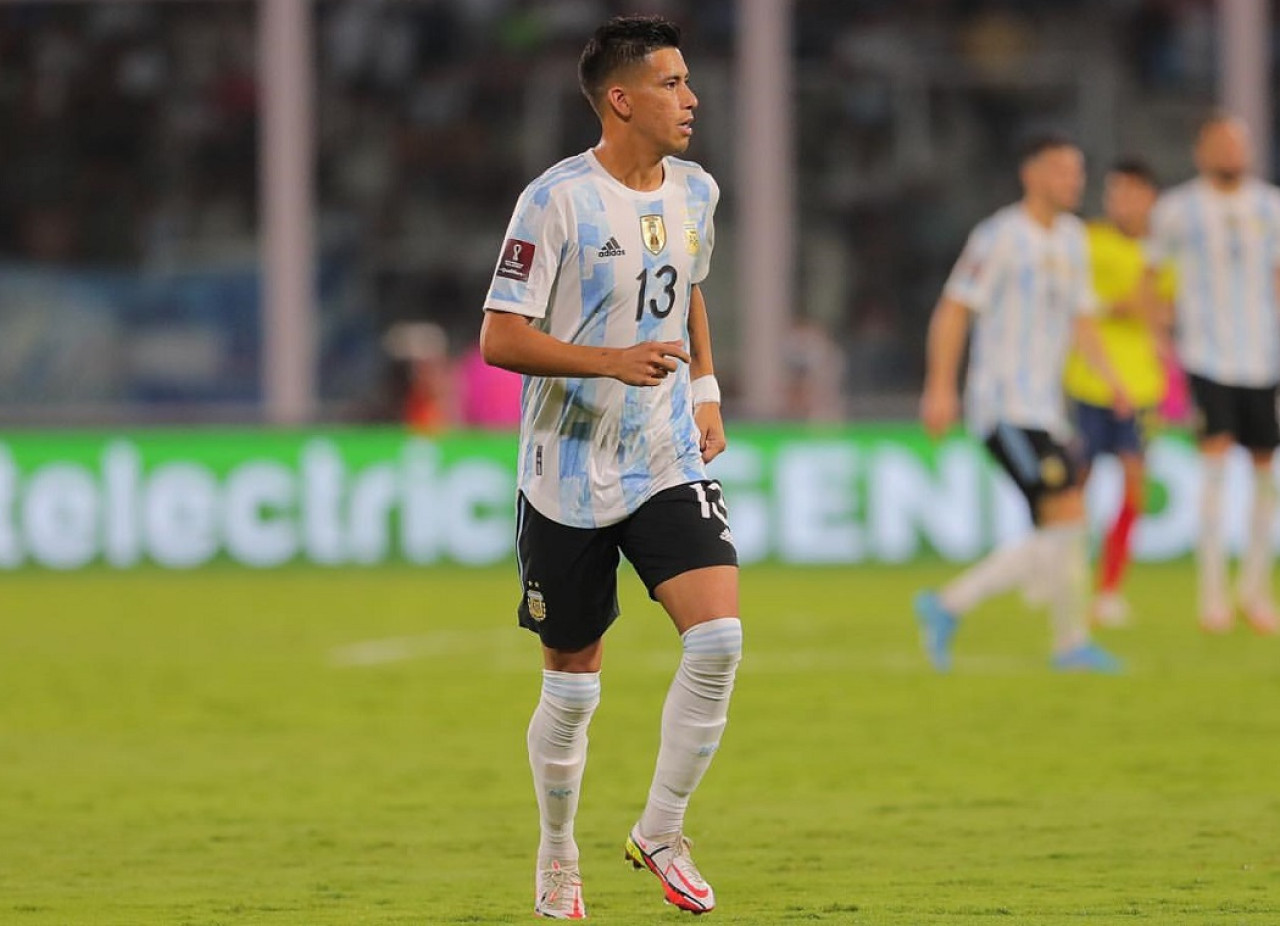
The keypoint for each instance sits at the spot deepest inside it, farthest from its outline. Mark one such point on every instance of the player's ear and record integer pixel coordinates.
(618, 101)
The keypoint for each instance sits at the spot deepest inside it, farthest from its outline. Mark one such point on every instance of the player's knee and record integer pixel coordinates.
(572, 695)
(712, 651)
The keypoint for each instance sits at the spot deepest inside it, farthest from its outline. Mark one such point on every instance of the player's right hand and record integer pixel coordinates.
(649, 362)
(939, 409)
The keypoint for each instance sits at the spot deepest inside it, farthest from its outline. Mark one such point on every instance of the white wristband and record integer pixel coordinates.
(705, 389)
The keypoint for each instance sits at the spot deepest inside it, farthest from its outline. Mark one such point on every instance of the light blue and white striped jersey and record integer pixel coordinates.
(595, 262)
(1025, 285)
(1226, 247)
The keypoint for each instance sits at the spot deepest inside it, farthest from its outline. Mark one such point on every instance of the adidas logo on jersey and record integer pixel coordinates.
(611, 249)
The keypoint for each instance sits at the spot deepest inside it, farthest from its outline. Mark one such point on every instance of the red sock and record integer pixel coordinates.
(1115, 550)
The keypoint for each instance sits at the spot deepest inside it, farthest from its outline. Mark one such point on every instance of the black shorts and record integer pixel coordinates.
(1038, 464)
(1246, 413)
(570, 574)
(1101, 430)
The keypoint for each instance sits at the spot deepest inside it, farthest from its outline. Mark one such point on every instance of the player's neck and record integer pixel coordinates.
(633, 168)
(1134, 230)
(1041, 212)
(1226, 185)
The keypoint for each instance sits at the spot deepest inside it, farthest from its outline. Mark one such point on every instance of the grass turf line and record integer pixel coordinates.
(227, 748)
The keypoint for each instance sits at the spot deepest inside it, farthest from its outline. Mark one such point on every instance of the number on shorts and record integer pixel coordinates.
(712, 503)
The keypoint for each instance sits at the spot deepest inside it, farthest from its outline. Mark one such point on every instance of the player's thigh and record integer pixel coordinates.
(1217, 413)
(1095, 427)
(700, 595)
(681, 547)
(1039, 466)
(1129, 434)
(569, 579)
(1259, 428)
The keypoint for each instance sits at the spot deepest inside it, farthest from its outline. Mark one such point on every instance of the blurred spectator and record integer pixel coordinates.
(423, 349)
(815, 371)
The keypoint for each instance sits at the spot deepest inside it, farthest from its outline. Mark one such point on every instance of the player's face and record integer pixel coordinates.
(662, 103)
(1057, 176)
(1223, 151)
(1128, 201)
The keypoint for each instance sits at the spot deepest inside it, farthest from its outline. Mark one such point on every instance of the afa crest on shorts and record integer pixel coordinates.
(537, 604)
(654, 232)
(1053, 472)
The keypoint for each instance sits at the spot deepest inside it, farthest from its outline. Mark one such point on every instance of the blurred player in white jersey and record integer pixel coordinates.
(1024, 281)
(1222, 232)
(596, 301)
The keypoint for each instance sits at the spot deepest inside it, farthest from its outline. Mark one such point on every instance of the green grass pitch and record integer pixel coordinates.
(347, 747)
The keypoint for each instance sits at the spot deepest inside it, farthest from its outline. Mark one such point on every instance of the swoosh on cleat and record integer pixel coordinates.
(693, 891)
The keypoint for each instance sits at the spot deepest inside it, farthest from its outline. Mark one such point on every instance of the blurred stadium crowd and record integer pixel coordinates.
(129, 282)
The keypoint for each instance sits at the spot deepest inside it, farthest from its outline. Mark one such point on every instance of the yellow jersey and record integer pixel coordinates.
(1118, 264)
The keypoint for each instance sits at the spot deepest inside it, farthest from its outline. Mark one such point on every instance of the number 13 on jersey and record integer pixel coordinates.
(660, 305)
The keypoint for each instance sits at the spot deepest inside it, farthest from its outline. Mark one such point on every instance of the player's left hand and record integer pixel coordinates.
(711, 439)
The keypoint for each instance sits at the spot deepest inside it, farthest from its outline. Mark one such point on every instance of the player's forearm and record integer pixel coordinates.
(510, 342)
(1156, 310)
(700, 362)
(948, 332)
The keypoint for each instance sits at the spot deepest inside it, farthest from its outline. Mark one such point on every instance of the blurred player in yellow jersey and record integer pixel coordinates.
(1125, 322)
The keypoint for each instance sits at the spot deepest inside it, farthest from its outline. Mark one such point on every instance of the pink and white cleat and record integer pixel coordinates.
(558, 893)
(1261, 616)
(1217, 620)
(668, 858)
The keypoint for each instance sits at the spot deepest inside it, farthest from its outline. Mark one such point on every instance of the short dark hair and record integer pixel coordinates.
(620, 42)
(1038, 143)
(1137, 168)
(1214, 117)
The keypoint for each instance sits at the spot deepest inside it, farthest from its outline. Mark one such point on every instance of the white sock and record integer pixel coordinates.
(1211, 553)
(558, 754)
(693, 719)
(1065, 570)
(999, 571)
(1255, 571)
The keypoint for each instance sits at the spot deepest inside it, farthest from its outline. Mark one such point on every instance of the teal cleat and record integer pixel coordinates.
(937, 627)
(1088, 657)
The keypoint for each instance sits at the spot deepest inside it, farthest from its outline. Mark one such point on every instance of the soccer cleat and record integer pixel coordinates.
(1261, 616)
(937, 627)
(669, 859)
(558, 893)
(1087, 657)
(1217, 620)
(1110, 610)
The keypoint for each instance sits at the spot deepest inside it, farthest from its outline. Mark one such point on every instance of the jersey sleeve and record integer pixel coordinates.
(1084, 299)
(976, 273)
(1161, 243)
(1273, 204)
(535, 244)
(704, 247)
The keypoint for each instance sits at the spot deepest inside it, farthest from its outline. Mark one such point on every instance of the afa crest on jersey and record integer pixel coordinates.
(654, 232)
(692, 244)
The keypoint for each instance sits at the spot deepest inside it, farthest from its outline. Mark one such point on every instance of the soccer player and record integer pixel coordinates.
(1128, 321)
(1221, 230)
(1023, 279)
(596, 300)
